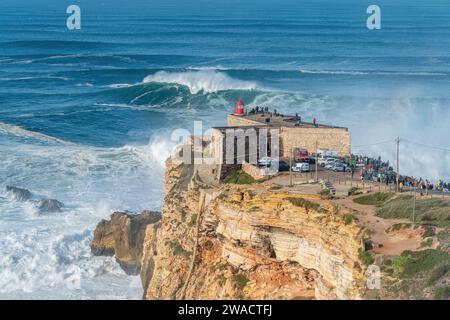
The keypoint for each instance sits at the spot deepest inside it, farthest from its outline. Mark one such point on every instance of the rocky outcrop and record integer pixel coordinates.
(248, 242)
(123, 236)
(42, 206)
(49, 206)
(19, 194)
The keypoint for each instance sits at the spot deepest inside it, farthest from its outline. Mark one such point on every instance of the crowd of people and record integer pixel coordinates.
(371, 169)
(374, 169)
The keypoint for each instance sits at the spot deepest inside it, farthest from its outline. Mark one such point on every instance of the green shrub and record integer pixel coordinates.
(193, 219)
(376, 199)
(438, 273)
(240, 280)
(239, 177)
(409, 263)
(428, 232)
(348, 218)
(442, 293)
(308, 205)
(365, 257)
(426, 243)
(399, 263)
(178, 250)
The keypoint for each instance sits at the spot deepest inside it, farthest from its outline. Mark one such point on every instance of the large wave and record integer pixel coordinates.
(207, 81)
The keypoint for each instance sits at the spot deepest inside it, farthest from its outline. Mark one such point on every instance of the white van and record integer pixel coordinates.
(301, 167)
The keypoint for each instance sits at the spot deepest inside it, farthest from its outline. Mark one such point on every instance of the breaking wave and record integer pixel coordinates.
(207, 81)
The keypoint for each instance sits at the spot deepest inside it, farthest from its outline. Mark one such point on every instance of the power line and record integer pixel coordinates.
(373, 144)
(428, 146)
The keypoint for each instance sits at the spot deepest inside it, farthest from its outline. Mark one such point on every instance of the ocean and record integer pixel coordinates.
(86, 115)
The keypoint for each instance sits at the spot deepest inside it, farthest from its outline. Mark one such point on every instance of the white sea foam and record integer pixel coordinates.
(383, 73)
(21, 132)
(86, 84)
(35, 78)
(120, 85)
(45, 255)
(206, 81)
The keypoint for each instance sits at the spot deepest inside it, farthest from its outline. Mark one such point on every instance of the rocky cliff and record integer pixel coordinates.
(248, 242)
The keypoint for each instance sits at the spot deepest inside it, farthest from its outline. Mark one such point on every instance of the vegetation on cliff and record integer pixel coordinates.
(239, 177)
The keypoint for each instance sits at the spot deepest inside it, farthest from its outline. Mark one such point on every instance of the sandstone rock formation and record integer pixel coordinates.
(248, 242)
(123, 236)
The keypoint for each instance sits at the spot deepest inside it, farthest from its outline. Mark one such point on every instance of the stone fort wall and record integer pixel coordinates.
(300, 137)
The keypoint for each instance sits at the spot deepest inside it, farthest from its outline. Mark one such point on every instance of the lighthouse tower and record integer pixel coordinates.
(239, 110)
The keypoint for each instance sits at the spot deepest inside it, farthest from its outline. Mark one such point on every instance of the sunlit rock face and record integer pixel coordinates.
(247, 242)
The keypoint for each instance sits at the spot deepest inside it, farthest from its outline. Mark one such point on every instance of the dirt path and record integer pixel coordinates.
(393, 243)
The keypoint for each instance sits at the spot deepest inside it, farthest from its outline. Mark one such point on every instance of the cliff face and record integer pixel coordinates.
(249, 242)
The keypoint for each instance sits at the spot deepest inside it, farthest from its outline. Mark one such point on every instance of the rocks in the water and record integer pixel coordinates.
(123, 236)
(19, 194)
(49, 205)
(43, 205)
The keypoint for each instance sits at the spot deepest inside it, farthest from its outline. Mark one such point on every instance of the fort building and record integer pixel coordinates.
(258, 133)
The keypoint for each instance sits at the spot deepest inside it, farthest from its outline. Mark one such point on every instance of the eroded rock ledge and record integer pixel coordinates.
(123, 236)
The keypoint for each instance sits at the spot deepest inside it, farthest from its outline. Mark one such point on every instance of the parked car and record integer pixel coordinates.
(339, 167)
(301, 167)
(265, 161)
(325, 161)
(283, 166)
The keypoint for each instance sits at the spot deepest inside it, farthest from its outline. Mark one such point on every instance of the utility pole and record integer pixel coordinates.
(317, 163)
(398, 163)
(290, 167)
(414, 206)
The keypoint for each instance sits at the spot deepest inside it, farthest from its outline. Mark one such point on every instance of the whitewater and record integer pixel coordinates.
(86, 117)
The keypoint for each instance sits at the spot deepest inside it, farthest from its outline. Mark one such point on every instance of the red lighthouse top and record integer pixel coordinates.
(239, 111)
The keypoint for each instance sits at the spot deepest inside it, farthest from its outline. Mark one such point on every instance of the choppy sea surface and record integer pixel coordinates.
(86, 115)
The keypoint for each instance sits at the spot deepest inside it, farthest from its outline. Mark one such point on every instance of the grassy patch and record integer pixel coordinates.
(348, 218)
(398, 226)
(444, 239)
(442, 293)
(308, 205)
(376, 199)
(178, 250)
(239, 177)
(365, 257)
(409, 263)
(429, 211)
(354, 191)
(240, 280)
